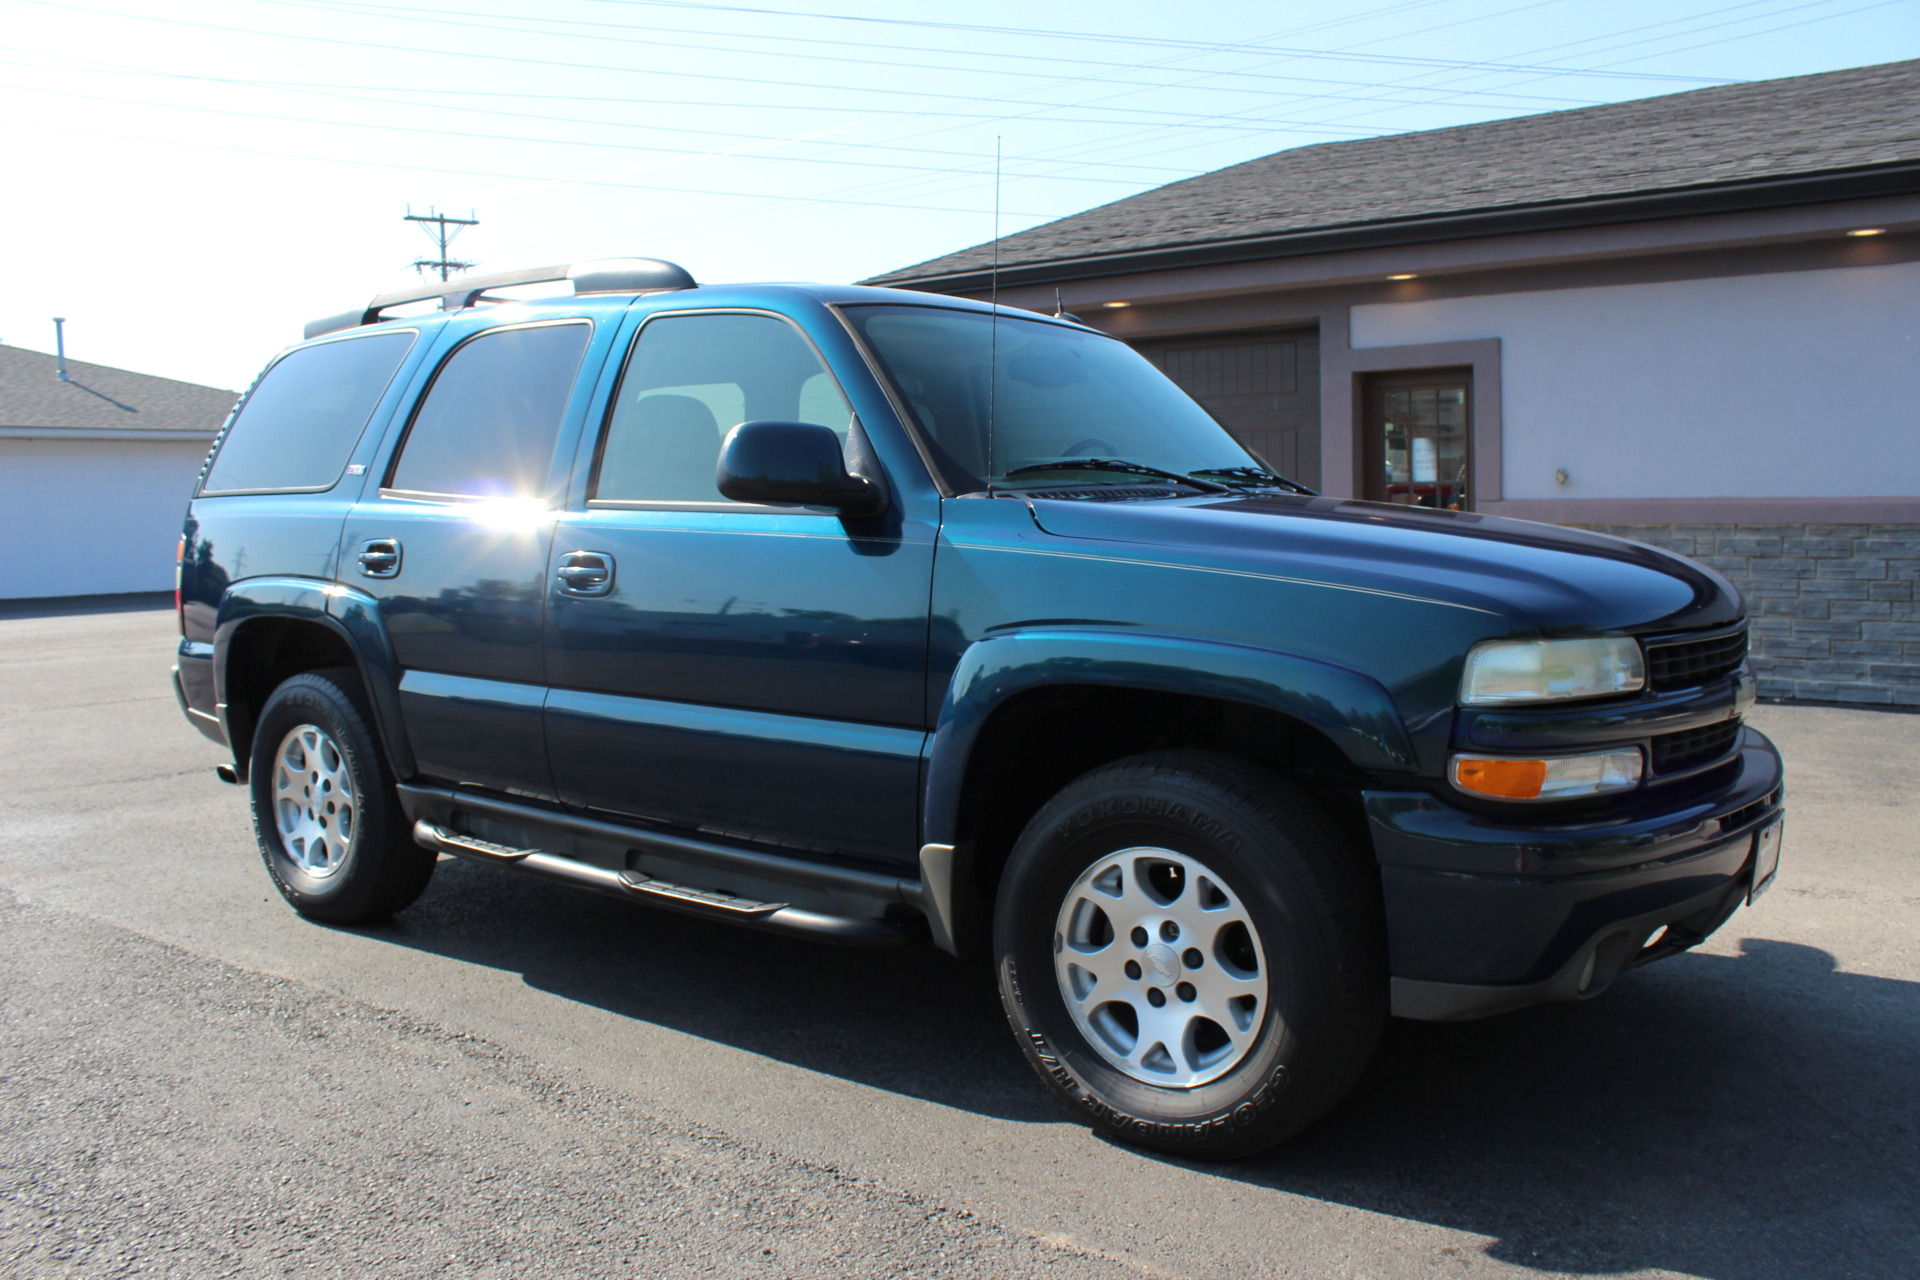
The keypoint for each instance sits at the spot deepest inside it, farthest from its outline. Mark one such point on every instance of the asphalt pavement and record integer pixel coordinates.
(516, 1079)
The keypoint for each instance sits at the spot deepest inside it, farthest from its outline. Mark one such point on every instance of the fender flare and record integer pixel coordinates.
(1352, 709)
(352, 615)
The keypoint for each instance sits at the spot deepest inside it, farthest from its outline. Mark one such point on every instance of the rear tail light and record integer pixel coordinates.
(179, 570)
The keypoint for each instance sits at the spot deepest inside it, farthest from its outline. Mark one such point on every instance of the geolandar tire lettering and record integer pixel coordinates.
(1190, 954)
(325, 812)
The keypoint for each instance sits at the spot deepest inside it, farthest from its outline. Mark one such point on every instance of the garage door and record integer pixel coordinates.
(92, 517)
(1263, 386)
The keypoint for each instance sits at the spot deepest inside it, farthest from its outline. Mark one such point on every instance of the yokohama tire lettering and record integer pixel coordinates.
(1133, 806)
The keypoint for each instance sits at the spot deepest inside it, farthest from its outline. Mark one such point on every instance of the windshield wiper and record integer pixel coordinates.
(1116, 464)
(1255, 478)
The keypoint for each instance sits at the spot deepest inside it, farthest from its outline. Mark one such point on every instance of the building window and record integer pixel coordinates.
(1418, 441)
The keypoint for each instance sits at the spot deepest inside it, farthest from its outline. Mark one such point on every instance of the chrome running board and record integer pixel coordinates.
(635, 886)
(654, 887)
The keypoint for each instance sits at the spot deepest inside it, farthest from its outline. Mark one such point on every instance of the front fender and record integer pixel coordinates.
(350, 614)
(1353, 710)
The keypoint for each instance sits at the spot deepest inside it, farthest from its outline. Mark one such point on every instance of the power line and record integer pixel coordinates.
(891, 166)
(1043, 33)
(1574, 44)
(1212, 121)
(1264, 125)
(1405, 83)
(654, 38)
(941, 181)
(477, 173)
(1382, 59)
(1347, 120)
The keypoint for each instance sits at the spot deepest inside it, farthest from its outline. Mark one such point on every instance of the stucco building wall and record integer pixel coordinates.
(1796, 384)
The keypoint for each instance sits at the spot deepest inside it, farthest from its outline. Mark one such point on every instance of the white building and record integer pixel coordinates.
(95, 472)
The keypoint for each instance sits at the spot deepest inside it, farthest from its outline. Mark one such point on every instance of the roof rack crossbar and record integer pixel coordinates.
(614, 275)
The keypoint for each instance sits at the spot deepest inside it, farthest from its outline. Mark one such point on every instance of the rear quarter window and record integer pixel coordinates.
(301, 421)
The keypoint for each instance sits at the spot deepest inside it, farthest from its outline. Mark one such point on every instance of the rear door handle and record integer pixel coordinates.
(380, 558)
(585, 573)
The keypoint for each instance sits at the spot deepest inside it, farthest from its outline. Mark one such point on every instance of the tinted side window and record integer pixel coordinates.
(691, 380)
(301, 422)
(487, 426)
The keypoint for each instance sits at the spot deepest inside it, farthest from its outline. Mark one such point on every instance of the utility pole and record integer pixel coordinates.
(436, 225)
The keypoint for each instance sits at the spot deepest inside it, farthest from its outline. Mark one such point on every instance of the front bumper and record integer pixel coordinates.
(1486, 915)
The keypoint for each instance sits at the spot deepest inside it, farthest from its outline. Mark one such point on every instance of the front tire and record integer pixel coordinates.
(325, 812)
(1190, 954)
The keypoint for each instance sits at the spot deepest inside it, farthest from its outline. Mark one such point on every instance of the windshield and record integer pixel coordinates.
(1068, 407)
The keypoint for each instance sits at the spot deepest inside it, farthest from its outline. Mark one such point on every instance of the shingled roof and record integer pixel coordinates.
(1771, 142)
(100, 401)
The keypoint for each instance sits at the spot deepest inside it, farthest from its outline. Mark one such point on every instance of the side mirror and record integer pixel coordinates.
(792, 464)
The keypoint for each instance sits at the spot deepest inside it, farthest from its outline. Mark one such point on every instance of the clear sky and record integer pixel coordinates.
(189, 183)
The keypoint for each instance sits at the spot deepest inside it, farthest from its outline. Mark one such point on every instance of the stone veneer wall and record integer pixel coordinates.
(1833, 605)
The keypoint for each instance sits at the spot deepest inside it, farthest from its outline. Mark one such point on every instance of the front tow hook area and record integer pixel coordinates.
(1626, 944)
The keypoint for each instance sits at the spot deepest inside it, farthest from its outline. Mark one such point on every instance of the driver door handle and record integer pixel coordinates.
(585, 573)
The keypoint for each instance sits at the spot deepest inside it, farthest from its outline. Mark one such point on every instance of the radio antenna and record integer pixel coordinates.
(993, 321)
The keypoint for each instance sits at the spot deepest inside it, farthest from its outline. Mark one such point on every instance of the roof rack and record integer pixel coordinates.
(608, 275)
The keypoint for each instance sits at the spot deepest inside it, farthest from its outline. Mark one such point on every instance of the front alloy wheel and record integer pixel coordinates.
(1191, 954)
(1161, 967)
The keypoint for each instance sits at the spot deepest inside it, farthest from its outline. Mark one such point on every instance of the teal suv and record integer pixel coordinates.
(873, 617)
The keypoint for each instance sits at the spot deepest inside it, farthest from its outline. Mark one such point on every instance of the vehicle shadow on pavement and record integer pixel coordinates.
(1726, 1117)
(1730, 1117)
(909, 1019)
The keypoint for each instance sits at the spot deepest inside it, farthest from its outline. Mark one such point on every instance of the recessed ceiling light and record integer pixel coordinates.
(1116, 304)
(1404, 275)
(1869, 231)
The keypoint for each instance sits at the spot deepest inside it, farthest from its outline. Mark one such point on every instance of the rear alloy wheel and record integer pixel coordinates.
(1190, 954)
(314, 808)
(325, 811)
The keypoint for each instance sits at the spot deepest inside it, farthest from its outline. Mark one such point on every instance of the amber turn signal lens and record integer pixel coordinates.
(1508, 779)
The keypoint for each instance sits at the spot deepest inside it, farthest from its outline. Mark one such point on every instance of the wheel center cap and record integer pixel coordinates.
(1163, 963)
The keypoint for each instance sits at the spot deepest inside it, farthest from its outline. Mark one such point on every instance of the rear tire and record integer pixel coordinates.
(325, 812)
(1190, 954)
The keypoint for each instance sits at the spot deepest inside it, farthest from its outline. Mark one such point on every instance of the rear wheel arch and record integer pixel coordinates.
(262, 653)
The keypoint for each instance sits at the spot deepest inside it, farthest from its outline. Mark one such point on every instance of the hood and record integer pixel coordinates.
(1544, 576)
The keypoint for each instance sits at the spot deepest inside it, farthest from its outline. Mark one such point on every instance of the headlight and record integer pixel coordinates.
(1555, 778)
(1513, 671)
